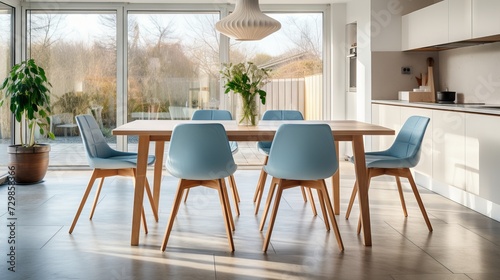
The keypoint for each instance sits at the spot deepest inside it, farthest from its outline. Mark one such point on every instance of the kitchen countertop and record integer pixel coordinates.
(477, 108)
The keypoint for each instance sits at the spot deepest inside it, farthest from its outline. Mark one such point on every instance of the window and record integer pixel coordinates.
(173, 64)
(80, 62)
(295, 55)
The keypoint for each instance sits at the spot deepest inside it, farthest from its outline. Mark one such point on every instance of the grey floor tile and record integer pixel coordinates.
(464, 244)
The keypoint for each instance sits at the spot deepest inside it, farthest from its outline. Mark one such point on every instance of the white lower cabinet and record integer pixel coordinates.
(387, 116)
(460, 154)
(448, 153)
(482, 153)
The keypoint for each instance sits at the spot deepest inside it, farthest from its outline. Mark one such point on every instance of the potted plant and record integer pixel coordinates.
(27, 89)
(247, 80)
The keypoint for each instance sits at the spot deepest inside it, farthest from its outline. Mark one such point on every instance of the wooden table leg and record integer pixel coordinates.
(158, 168)
(362, 178)
(336, 185)
(140, 180)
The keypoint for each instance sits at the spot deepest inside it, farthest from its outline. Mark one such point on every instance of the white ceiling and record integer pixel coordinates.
(204, 1)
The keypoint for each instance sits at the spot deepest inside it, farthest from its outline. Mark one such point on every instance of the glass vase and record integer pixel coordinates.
(247, 110)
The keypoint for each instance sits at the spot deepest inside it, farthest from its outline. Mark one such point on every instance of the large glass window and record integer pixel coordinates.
(294, 53)
(173, 64)
(80, 62)
(6, 54)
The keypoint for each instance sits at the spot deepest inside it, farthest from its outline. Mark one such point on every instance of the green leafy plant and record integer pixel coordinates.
(27, 88)
(246, 79)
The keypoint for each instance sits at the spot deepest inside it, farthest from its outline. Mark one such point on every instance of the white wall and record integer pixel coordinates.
(473, 72)
(338, 15)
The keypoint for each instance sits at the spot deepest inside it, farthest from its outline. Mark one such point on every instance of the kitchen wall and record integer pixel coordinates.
(472, 71)
(387, 79)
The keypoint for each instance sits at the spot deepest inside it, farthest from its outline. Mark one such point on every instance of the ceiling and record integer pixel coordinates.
(204, 1)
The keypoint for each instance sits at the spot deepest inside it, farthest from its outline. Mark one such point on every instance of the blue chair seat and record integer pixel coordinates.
(384, 161)
(118, 162)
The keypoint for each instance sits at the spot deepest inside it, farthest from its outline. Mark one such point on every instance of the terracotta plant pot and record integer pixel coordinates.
(30, 164)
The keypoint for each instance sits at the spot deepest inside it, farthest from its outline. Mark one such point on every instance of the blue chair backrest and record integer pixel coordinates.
(302, 152)
(278, 115)
(212, 115)
(408, 142)
(282, 115)
(200, 151)
(93, 139)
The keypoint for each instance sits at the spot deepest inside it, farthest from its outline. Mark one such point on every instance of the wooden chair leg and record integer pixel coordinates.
(329, 206)
(173, 214)
(84, 199)
(261, 182)
(304, 197)
(186, 195)
(323, 209)
(144, 222)
(419, 199)
(260, 189)
(272, 188)
(234, 190)
(351, 200)
(273, 217)
(401, 196)
(228, 205)
(96, 198)
(151, 200)
(224, 203)
(311, 200)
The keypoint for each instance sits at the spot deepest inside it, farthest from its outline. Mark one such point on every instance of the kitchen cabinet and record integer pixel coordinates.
(485, 19)
(482, 154)
(459, 20)
(448, 153)
(425, 27)
(388, 116)
(464, 146)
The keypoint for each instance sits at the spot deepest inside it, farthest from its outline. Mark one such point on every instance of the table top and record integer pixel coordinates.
(263, 131)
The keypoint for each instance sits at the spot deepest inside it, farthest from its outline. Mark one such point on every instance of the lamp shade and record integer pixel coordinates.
(247, 22)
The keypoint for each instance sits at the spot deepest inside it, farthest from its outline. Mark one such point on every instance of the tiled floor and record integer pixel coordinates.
(464, 244)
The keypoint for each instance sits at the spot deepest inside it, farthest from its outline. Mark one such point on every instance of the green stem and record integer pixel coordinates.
(249, 109)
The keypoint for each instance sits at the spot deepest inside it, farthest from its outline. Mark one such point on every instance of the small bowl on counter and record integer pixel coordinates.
(446, 97)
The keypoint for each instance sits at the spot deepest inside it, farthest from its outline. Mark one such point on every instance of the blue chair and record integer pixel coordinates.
(223, 115)
(199, 155)
(106, 162)
(301, 155)
(264, 147)
(396, 161)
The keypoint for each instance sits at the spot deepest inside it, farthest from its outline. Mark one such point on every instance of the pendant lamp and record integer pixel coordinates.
(247, 22)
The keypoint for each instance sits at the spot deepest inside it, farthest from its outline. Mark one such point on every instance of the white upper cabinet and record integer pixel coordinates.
(485, 18)
(425, 27)
(459, 20)
(438, 26)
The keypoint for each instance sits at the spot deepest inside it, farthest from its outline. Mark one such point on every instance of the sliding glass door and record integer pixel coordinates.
(6, 59)
(173, 64)
(80, 62)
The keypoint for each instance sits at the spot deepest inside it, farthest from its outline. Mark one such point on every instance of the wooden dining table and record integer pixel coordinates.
(160, 131)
